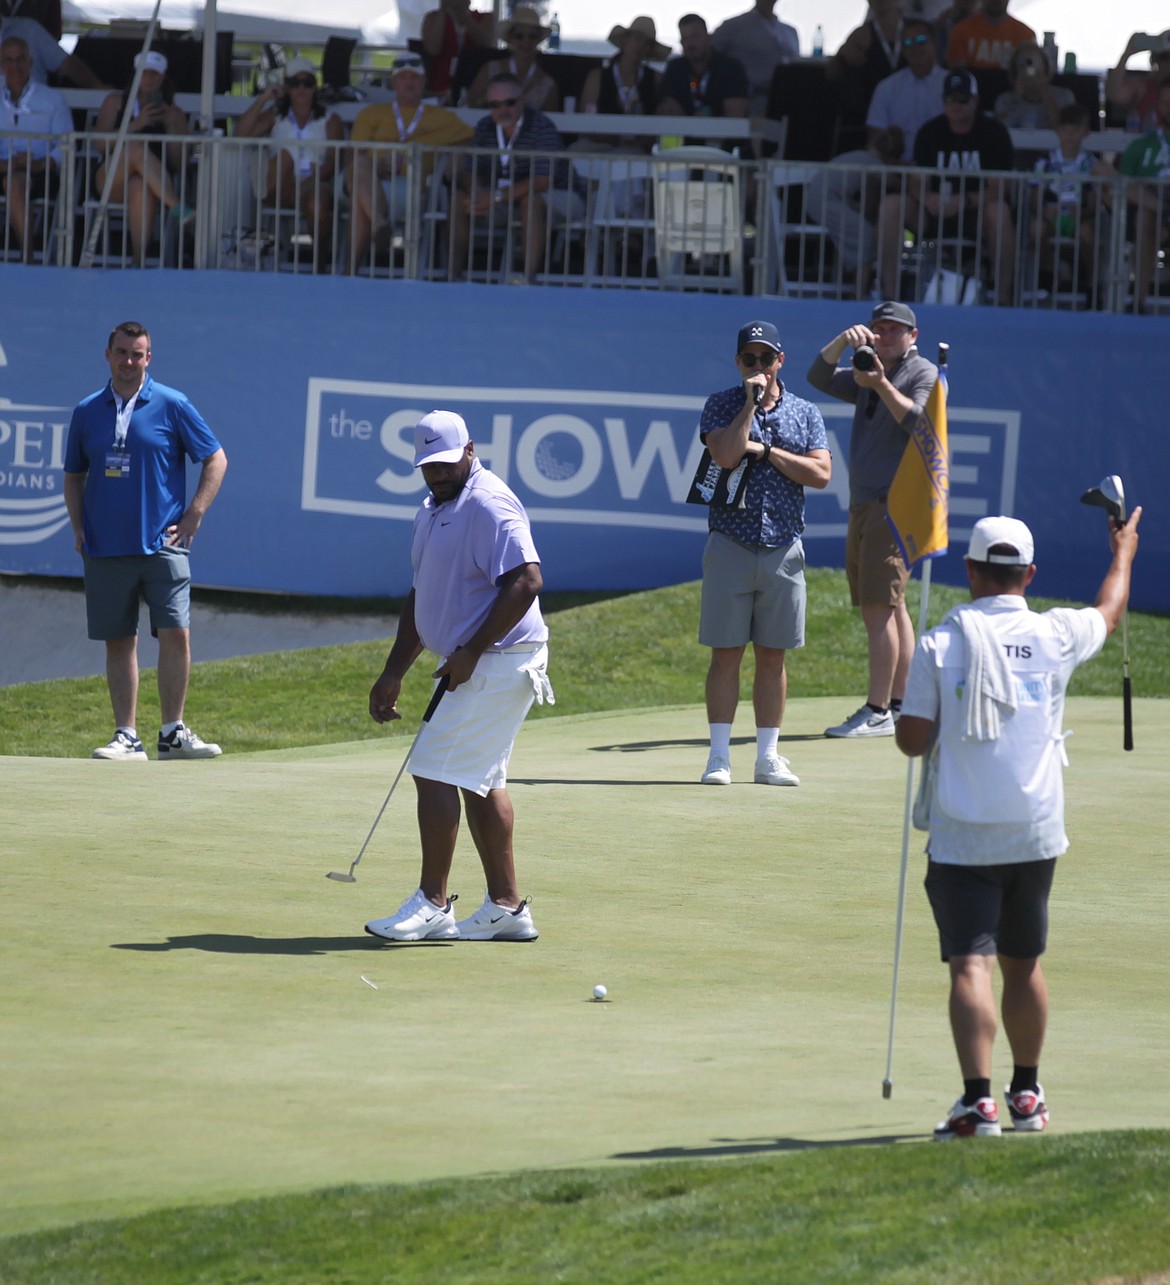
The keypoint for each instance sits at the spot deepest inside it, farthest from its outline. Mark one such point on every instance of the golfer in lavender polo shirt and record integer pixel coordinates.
(474, 604)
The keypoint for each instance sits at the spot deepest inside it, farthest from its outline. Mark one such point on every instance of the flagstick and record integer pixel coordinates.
(923, 608)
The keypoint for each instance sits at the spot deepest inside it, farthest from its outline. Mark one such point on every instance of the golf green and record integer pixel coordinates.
(186, 1018)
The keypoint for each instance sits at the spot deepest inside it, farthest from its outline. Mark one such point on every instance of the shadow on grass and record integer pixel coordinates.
(761, 1146)
(692, 742)
(238, 944)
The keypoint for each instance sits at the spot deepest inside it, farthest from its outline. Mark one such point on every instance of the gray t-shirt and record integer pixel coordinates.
(878, 440)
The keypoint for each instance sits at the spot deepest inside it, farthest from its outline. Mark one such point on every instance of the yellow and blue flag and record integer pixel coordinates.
(919, 499)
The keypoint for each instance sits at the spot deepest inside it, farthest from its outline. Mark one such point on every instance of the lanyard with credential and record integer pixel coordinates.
(404, 130)
(118, 458)
(506, 146)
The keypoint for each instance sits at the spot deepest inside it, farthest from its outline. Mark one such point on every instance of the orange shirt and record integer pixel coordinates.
(975, 42)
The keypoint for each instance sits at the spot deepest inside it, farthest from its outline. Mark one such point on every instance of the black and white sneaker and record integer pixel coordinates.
(182, 743)
(417, 919)
(493, 922)
(123, 746)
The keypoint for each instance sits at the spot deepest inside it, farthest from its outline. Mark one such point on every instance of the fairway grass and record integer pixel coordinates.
(186, 1021)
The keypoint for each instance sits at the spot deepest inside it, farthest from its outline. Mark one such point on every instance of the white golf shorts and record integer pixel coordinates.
(469, 739)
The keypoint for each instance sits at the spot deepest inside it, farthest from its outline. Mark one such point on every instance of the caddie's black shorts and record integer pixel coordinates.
(991, 910)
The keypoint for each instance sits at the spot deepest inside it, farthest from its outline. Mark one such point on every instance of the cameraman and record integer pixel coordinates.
(888, 384)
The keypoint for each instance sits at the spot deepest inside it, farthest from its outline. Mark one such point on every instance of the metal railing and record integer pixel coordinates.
(696, 219)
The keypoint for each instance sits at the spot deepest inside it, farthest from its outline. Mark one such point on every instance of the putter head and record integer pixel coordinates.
(341, 877)
(887, 1088)
(1109, 495)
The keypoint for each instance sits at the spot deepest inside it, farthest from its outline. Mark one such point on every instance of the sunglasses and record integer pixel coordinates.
(957, 98)
(911, 42)
(526, 33)
(493, 103)
(762, 359)
(301, 82)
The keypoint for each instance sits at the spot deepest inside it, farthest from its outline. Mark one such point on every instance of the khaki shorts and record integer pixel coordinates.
(469, 739)
(752, 595)
(873, 562)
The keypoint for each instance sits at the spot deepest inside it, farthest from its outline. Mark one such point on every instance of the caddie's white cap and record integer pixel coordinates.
(439, 438)
(1011, 532)
(152, 61)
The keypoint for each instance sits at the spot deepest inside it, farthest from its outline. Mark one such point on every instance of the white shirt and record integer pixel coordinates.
(38, 110)
(1002, 801)
(909, 101)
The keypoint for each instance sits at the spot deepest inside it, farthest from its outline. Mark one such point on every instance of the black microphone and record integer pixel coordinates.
(757, 394)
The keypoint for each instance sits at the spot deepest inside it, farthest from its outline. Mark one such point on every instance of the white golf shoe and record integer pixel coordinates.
(417, 919)
(183, 743)
(865, 722)
(773, 769)
(717, 771)
(123, 746)
(493, 922)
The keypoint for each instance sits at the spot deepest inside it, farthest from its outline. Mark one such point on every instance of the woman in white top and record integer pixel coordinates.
(523, 34)
(146, 173)
(299, 175)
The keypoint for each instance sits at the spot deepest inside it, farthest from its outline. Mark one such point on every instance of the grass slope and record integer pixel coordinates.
(1049, 1210)
(622, 653)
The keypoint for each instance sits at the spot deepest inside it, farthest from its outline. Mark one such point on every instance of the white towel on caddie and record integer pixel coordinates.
(990, 684)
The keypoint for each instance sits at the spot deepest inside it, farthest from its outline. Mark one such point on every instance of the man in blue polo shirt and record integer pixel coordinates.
(753, 565)
(125, 489)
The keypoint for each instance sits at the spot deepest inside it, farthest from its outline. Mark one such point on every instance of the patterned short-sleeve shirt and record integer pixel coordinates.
(772, 515)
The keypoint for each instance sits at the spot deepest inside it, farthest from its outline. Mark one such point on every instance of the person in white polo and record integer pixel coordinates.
(985, 702)
(474, 604)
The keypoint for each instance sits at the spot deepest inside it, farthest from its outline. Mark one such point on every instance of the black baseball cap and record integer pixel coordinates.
(759, 332)
(892, 310)
(960, 83)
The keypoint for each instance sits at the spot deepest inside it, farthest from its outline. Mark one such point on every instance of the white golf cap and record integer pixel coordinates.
(152, 61)
(439, 438)
(1010, 532)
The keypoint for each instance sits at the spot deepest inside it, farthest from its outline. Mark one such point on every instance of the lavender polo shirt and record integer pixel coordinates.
(459, 551)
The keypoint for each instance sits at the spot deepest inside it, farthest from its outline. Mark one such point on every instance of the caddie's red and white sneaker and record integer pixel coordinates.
(1028, 1110)
(979, 1120)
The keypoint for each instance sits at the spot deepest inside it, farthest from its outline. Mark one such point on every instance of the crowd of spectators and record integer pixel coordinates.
(907, 72)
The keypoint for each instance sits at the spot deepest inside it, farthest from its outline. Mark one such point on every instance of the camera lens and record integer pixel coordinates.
(863, 358)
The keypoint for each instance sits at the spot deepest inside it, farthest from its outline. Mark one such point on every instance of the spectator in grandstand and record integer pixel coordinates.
(845, 196)
(446, 32)
(1033, 102)
(868, 55)
(945, 21)
(522, 33)
(510, 184)
(28, 165)
(987, 37)
(954, 201)
(1148, 157)
(46, 54)
(1133, 95)
(760, 43)
(626, 84)
(298, 177)
(1066, 207)
(377, 179)
(702, 82)
(149, 173)
(910, 97)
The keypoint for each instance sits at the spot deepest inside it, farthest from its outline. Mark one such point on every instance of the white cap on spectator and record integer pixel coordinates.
(152, 61)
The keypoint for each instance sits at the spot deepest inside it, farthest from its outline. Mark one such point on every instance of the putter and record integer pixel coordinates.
(1110, 496)
(341, 876)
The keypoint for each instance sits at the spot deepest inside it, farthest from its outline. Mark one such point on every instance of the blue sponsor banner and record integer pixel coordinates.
(585, 402)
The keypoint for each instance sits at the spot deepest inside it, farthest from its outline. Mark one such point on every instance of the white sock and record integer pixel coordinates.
(767, 738)
(130, 732)
(168, 728)
(721, 739)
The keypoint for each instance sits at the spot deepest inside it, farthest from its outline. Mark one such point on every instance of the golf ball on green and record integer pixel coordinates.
(599, 991)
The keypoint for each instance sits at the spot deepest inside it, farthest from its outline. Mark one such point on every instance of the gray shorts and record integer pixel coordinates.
(114, 586)
(752, 595)
(991, 910)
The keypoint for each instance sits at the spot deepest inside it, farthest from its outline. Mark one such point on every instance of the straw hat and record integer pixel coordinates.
(521, 16)
(643, 26)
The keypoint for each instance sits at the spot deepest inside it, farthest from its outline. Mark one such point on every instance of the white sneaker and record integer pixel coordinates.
(417, 919)
(774, 770)
(182, 743)
(717, 772)
(492, 922)
(122, 747)
(864, 723)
